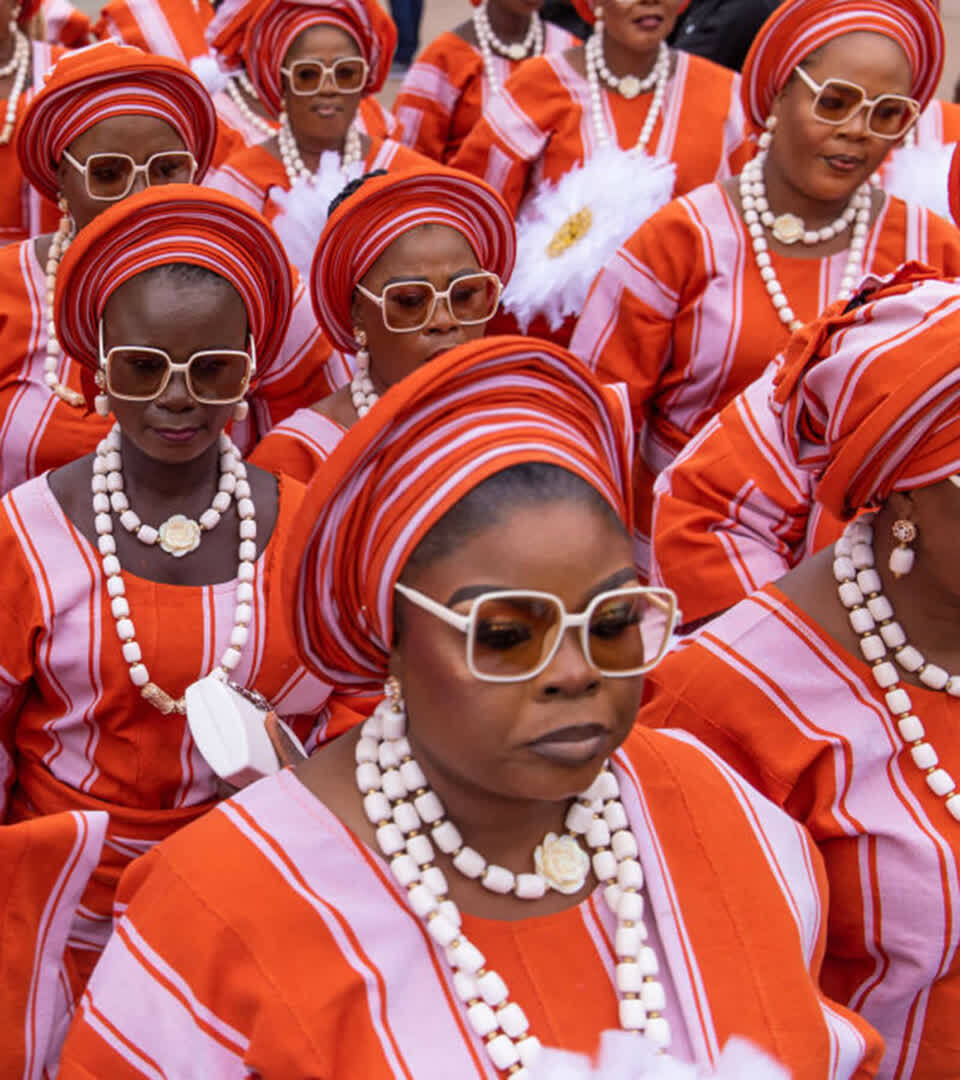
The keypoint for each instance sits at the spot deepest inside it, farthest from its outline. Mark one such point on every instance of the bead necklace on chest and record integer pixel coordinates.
(18, 66)
(789, 229)
(628, 86)
(532, 44)
(177, 536)
(410, 819)
(238, 87)
(293, 163)
(62, 239)
(884, 646)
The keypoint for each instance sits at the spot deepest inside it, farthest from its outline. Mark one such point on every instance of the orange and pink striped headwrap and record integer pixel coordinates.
(105, 80)
(176, 223)
(364, 225)
(799, 27)
(433, 437)
(869, 398)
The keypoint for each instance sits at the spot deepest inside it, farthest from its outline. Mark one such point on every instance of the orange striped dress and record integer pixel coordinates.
(299, 446)
(683, 317)
(539, 126)
(80, 735)
(444, 93)
(268, 940)
(803, 720)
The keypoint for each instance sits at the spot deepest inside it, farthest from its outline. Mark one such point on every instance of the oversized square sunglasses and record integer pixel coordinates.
(407, 306)
(836, 101)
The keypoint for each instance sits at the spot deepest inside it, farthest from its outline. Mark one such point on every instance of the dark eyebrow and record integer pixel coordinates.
(614, 581)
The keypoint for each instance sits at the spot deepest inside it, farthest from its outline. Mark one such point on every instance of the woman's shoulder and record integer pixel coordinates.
(706, 73)
(452, 49)
(538, 82)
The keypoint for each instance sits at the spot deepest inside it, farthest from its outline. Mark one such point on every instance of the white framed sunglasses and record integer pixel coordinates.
(142, 373)
(407, 306)
(348, 75)
(836, 101)
(513, 634)
(109, 177)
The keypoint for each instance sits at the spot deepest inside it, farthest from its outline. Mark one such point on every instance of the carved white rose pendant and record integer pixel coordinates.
(517, 52)
(179, 535)
(788, 228)
(562, 863)
(629, 86)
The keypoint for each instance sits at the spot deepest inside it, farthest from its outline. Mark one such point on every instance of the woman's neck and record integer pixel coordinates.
(507, 25)
(785, 198)
(8, 42)
(156, 486)
(311, 149)
(622, 60)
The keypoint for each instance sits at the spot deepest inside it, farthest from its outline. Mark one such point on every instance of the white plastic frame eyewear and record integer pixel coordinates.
(870, 104)
(327, 74)
(380, 301)
(249, 357)
(663, 600)
(135, 170)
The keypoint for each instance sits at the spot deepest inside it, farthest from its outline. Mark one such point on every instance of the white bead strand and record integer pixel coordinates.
(872, 618)
(20, 64)
(62, 239)
(658, 78)
(238, 86)
(293, 163)
(532, 44)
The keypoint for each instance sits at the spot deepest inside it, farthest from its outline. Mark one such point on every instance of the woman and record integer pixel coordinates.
(700, 299)
(436, 490)
(312, 62)
(105, 113)
(111, 614)
(444, 92)
(585, 145)
(812, 688)
(23, 65)
(391, 251)
(239, 106)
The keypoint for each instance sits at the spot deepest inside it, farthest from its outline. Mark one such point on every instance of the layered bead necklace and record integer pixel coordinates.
(238, 87)
(884, 646)
(532, 44)
(629, 86)
(789, 229)
(62, 239)
(109, 498)
(290, 153)
(409, 819)
(18, 66)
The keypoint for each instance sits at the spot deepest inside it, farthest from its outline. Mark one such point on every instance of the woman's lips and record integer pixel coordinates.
(573, 745)
(177, 435)
(843, 163)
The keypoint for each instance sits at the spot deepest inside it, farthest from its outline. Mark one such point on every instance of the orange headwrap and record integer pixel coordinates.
(869, 397)
(433, 437)
(176, 223)
(259, 34)
(799, 27)
(105, 80)
(363, 226)
(587, 9)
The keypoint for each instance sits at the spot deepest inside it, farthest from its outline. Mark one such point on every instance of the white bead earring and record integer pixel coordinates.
(362, 392)
(241, 411)
(767, 137)
(101, 403)
(902, 556)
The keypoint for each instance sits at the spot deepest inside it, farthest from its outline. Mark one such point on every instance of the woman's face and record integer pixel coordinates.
(484, 735)
(640, 25)
(326, 115)
(829, 162)
(138, 136)
(180, 316)
(517, 7)
(439, 255)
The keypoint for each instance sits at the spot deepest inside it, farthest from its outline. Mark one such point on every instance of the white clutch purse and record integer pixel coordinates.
(227, 723)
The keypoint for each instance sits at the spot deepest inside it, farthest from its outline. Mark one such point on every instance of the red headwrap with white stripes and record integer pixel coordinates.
(799, 27)
(870, 398)
(474, 411)
(105, 80)
(385, 207)
(176, 223)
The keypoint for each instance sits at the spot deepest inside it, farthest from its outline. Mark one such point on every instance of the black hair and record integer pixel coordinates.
(352, 188)
(187, 273)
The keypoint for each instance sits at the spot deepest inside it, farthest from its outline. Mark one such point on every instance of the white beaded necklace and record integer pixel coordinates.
(62, 239)
(657, 79)
(178, 535)
(293, 162)
(20, 63)
(758, 216)
(106, 460)
(235, 87)
(532, 44)
(403, 810)
(873, 621)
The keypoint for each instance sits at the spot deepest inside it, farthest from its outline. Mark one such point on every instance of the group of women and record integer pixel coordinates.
(260, 419)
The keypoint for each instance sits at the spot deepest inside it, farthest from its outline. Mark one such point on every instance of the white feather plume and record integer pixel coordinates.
(208, 71)
(921, 175)
(624, 1056)
(621, 190)
(305, 207)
